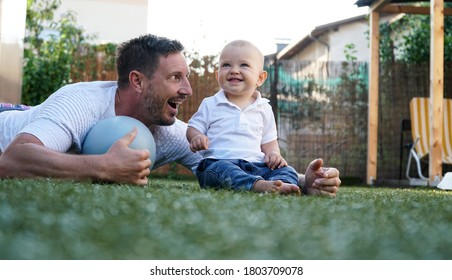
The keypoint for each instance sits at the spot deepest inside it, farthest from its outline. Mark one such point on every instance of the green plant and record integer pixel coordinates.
(49, 47)
(408, 39)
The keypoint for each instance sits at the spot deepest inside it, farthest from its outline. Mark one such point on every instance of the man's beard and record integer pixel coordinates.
(156, 113)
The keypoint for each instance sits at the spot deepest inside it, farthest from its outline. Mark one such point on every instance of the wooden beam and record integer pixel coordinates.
(436, 89)
(372, 130)
(378, 5)
(404, 9)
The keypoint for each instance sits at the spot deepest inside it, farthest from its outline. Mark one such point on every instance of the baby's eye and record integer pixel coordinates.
(226, 65)
(244, 65)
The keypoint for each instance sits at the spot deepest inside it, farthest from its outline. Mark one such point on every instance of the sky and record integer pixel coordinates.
(206, 25)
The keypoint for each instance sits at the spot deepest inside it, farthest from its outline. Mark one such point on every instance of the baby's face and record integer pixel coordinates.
(240, 69)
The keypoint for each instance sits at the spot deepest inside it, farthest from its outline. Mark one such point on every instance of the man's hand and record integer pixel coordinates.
(128, 165)
(320, 180)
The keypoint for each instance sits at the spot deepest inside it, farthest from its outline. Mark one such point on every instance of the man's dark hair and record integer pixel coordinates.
(142, 54)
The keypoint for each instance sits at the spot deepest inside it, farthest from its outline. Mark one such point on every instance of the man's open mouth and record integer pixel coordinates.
(172, 104)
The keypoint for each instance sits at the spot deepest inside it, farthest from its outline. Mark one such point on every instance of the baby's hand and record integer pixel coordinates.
(274, 160)
(199, 143)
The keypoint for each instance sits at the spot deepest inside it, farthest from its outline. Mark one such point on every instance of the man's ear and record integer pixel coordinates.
(136, 80)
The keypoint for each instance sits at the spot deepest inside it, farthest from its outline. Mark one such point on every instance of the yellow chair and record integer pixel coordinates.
(447, 131)
(420, 130)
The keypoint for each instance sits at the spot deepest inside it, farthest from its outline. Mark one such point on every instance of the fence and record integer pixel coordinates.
(323, 108)
(322, 112)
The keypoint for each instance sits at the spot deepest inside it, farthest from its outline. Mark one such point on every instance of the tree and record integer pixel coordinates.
(410, 36)
(49, 47)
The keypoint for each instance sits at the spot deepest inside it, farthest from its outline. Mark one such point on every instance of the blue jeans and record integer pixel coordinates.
(240, 174)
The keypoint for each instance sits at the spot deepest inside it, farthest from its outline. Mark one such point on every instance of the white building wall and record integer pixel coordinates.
(353, 33)
(331, 45)
(112, 21)
(312, 52)
(12, 31)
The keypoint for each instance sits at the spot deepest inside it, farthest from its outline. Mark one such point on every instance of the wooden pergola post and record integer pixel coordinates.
(436, 89)
(437, 13)
(374, 73)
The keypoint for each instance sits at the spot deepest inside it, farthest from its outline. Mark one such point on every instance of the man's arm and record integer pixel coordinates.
(26, 157)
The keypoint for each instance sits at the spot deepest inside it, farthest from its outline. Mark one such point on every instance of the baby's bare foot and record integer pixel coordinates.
(290, 189)
(277, 186)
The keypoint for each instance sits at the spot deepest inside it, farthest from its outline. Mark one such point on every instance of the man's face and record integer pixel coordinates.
(167, 89)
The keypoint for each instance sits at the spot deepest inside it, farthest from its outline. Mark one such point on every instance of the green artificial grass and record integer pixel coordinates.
(173, 219)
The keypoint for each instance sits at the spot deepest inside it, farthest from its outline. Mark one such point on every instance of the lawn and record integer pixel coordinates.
(175, 219)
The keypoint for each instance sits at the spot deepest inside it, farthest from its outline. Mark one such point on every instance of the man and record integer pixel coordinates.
(152, 83)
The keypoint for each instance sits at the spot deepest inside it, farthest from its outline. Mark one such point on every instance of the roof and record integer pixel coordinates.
(294, 48)
(297, 46)
(362, 3)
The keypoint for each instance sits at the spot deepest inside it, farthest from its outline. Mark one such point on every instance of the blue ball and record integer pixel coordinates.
(107, 131)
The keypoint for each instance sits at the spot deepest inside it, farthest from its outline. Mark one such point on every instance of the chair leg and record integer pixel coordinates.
(418, 165)
(413, 155)
(408, 165)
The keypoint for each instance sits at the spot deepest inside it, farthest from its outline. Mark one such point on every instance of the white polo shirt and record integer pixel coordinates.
(233, 133)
